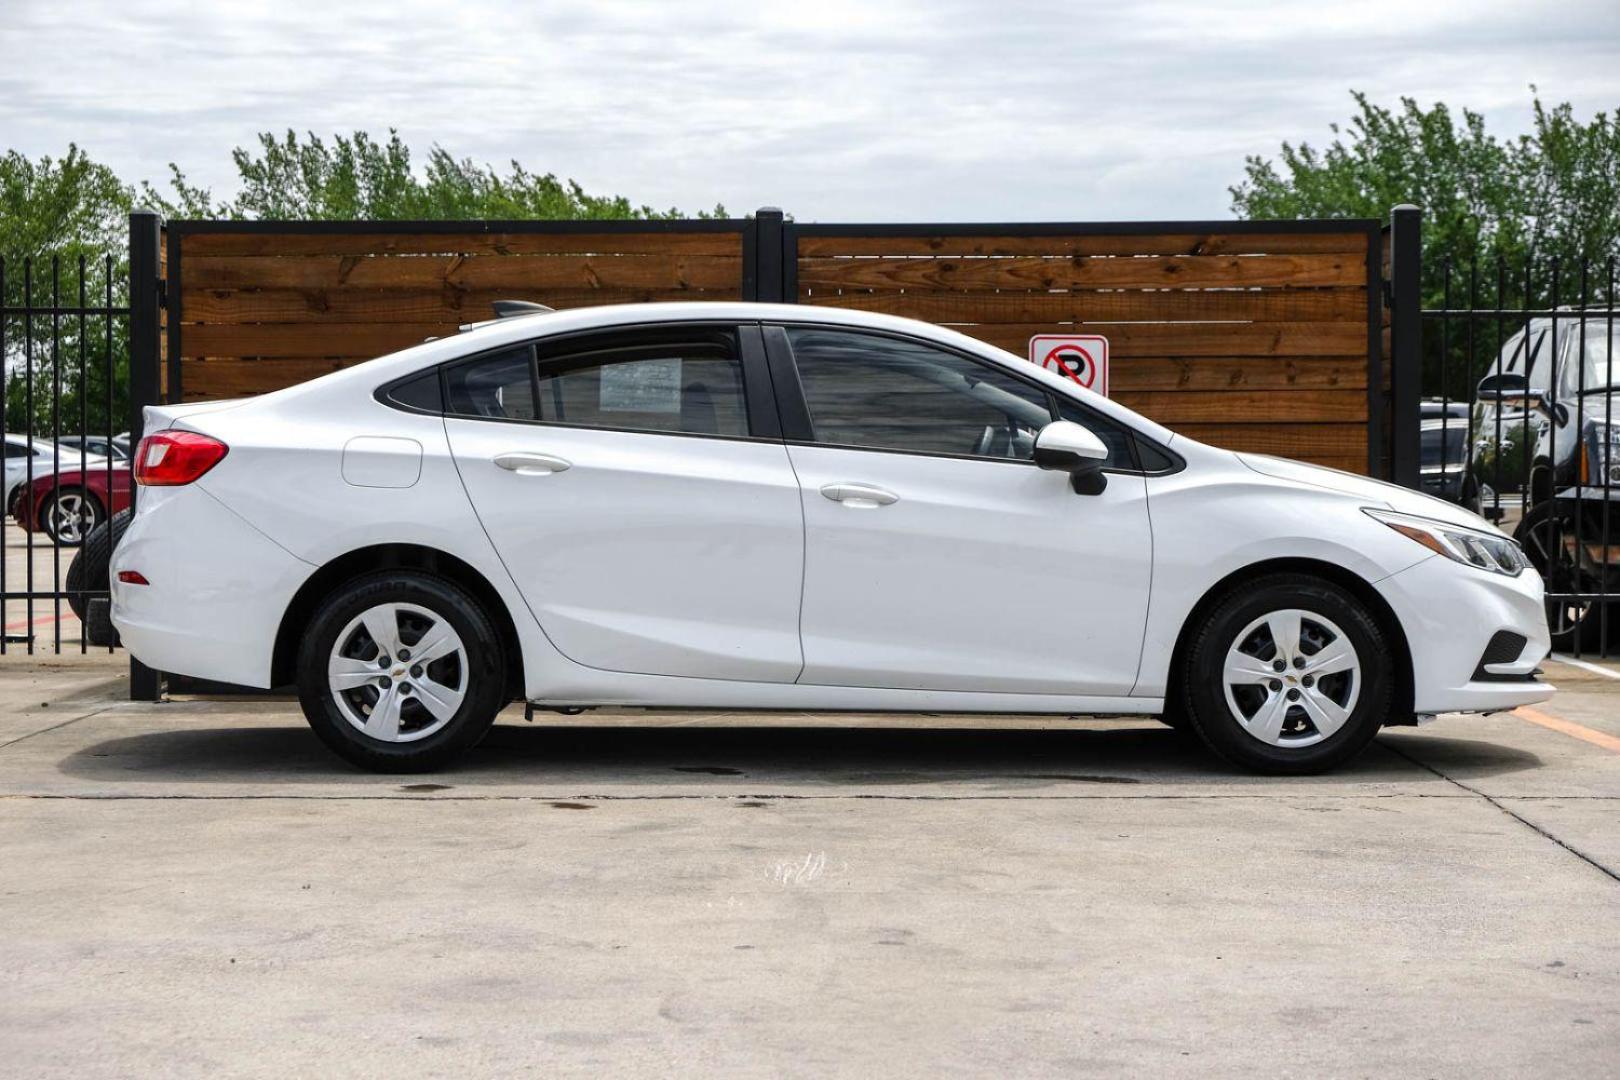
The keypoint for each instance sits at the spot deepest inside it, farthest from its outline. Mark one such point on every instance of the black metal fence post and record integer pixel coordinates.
(1406, 341)
(145, 359)
(768, 228)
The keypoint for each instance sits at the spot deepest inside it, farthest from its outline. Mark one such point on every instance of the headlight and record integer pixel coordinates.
(1485, 551)
(1604, 455)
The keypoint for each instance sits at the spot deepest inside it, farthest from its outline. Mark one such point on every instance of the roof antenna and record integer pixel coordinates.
(507, 309)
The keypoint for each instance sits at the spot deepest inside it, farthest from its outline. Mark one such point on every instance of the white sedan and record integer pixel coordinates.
(747, 506)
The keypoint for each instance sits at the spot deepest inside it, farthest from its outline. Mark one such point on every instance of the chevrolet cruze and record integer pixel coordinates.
(748, 506)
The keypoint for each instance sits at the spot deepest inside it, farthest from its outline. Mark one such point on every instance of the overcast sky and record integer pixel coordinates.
(834, 110)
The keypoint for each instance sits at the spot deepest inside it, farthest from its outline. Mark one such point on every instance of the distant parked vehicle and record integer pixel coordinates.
(1435, 408)
(116, 447)
(1443, 459)
(67, 504)
(27, 457)
(1547, 428)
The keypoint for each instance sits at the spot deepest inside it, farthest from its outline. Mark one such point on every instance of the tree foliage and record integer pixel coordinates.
(55, 213)
(1554, 192)
(353, 177)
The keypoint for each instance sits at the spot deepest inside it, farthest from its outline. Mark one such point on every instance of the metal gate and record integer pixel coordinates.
(79, 338)
(1510, 410)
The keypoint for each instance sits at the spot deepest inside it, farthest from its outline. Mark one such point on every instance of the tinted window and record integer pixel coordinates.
(695, 387)
(421, 392)
(18, 450)
(893, 394)
(1116, 438)
(499, 386)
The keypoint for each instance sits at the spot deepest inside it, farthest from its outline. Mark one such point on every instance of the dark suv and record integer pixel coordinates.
(1546, 432)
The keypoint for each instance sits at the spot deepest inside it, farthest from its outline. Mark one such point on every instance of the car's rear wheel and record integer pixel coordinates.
(401, 671)
(68, 515)
(1289, 674)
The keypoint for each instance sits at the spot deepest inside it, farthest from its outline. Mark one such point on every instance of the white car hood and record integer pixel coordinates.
(1375, 492)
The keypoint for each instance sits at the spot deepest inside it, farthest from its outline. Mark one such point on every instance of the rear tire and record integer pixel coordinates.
(366, 690)
(1320, 708)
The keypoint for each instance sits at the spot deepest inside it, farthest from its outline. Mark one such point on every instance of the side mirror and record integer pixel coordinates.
(1064, 446)
(1510, 386)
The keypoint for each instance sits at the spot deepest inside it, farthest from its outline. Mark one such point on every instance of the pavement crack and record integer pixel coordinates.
(57, 727)
(1613, 875)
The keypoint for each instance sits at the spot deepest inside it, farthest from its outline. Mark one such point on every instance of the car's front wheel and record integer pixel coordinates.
(1289, 674)
(401, 671)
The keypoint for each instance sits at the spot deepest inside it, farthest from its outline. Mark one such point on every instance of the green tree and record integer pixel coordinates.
(354, 177)
(55, 212)
(1554, 192)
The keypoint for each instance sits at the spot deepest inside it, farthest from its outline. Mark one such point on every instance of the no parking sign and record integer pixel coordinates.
(1080, 357)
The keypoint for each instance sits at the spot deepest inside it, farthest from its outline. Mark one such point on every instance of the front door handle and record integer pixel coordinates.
(532, 464)
(860, 496)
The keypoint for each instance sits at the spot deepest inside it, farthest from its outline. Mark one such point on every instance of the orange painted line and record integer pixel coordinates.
(39, 620)
(1568, 727)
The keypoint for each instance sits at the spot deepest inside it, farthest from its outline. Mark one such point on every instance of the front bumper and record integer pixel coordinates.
(218, 588)
(1450, 614)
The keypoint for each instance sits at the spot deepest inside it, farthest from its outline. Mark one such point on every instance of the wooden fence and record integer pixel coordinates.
(1254, 336)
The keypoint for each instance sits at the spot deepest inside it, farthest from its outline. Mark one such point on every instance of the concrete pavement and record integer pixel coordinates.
(198, 887)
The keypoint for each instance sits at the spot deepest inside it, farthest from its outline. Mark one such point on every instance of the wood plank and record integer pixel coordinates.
(1082, 272)
(1175, 305)
(1195, 339)
(212, 379)
(498, 243)
(1304, 442)
(1239, 373)
(1175, 408)
(405, 305)
(308, 340)
(692, 272)
(1280, 243)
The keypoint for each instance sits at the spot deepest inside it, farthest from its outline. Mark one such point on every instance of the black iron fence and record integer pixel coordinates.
(1516, 420)
(76, 328)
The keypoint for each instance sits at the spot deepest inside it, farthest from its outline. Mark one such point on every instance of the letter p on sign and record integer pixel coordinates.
(1080, 357)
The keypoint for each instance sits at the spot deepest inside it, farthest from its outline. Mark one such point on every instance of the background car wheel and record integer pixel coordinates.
(1546, 535)
(68, 515)
(90, 566)
(1289, 674)
(401, 671)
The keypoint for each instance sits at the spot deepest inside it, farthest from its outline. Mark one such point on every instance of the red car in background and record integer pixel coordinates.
(66, 505)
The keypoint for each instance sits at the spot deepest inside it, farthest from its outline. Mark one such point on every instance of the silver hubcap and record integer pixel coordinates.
(1292, 678)
(72, 516)
(398, 672)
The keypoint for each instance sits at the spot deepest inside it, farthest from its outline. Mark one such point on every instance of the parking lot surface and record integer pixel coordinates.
(197, 887)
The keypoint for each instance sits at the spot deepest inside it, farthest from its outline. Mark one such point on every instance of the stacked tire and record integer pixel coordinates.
(91, 570)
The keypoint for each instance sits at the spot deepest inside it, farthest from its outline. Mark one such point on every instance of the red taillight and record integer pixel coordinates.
(172, 458)
(132, 577)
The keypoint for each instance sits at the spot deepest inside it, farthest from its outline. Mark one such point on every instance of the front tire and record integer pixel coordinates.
(1289, 674)
(401, 671)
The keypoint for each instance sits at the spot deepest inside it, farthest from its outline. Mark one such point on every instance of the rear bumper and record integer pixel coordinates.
(1450, 614)
(218, 588)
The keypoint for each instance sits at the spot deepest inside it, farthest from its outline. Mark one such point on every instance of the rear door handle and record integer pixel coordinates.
(860, 496)
(532, 464)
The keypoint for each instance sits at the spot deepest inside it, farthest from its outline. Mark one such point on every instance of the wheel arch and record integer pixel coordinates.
(1349, 580)
(366, 560)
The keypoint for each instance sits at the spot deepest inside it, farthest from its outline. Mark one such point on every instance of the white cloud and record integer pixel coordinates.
(903, 110)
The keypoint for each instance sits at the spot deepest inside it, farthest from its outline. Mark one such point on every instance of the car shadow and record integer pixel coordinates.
(724, 757)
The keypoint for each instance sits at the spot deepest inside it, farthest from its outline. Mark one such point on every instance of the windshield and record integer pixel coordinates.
(1443, 445)
(1598, 351)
